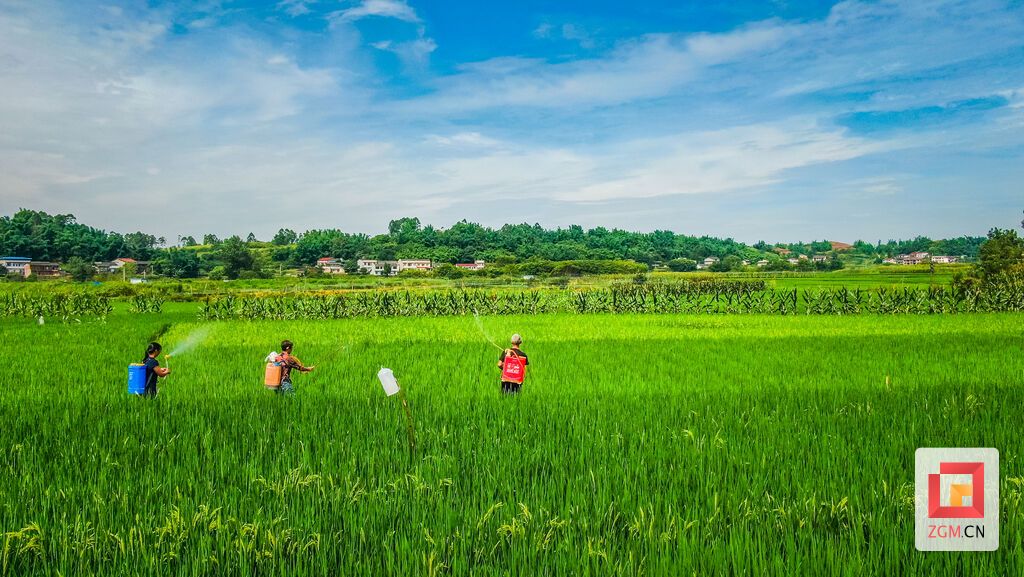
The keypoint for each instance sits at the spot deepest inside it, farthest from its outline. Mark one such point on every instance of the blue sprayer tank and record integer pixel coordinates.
(136, 379)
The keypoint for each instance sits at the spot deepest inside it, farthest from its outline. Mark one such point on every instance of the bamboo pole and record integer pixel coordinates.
(410, 429)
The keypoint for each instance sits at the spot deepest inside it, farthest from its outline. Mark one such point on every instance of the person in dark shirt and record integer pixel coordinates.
(513, 372)
(153, 369)
(288, 362)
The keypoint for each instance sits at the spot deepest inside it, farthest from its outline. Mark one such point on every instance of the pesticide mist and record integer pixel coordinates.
(194, 338)
(480, 325)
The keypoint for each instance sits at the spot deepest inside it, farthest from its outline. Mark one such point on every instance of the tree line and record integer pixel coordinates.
(61, 238)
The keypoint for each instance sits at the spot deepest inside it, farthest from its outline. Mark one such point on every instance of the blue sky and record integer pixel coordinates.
(780, 121)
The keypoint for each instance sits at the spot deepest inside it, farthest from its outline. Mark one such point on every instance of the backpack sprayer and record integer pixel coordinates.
(274, 372)
(137, 377)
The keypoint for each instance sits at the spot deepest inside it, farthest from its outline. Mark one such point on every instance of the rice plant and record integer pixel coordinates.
(641, 444)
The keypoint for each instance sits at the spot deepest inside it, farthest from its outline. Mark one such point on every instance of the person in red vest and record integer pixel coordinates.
(513, 363)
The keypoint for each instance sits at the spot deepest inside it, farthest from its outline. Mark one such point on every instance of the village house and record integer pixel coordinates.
(329, 265)
(15, 265)
(793, 260)
(26, 267)
(115, 266)
(819, 258)
(762, 263)
(708, 263)
(42, 269)
(414, 264)
(921, 258)
(912, 258)
(393, 267)
(475, 265)
(377, 267)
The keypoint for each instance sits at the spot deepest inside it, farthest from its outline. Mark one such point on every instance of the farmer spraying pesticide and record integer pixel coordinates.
(282, 365)
(148, 372)
(513, 363)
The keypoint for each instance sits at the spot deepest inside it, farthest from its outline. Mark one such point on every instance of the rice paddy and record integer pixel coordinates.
(641, 444)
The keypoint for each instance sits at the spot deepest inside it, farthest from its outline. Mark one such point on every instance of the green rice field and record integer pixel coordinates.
(640, 445)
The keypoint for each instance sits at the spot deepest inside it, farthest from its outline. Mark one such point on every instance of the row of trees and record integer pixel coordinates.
(42, 236)
(960, 246)
(58, 237)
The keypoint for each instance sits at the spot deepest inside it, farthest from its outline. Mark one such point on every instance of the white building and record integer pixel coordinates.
(944, 259)
(377, 267)
(15, 265)
(393, 267)
(819, 258)
(115, 266)
(475, 265)
(26, 267)
(330, 265)
(912, 258)
(413, 264)
(763, 262)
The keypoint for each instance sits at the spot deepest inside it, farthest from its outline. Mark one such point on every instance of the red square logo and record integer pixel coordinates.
(967, 501)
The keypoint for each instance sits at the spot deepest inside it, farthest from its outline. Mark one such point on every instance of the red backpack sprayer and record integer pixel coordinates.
(513, 366)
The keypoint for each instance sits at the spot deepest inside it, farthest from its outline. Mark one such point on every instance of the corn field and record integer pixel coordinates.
(624, 299)
(60, 306)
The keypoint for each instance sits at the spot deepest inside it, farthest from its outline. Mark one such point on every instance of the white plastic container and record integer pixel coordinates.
(388, 381)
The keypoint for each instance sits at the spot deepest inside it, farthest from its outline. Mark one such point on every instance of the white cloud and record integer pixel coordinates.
(543, 30)
(577, 34)
(647, 67)
(295, 7)
(414, 52)
(1014, 98)
(902, 51)
(203, 23)
(113, 111)
(570, 31)
(726, 160)
(226, 121)
(397, 9)
(464, 139)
